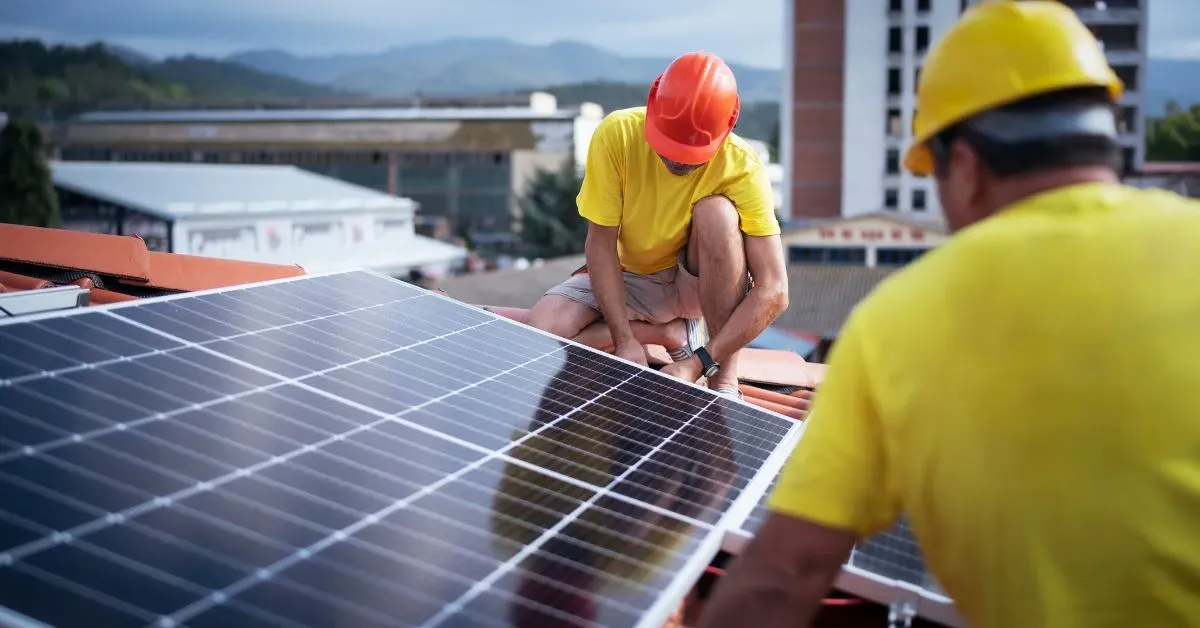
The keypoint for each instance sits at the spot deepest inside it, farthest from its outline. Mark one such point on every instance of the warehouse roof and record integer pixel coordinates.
(364, 114)
(182, 190)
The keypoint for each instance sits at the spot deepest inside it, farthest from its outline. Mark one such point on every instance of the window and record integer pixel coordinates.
(1130, 159)
(895, 40)
(923, 6)
(892, 163)
(916, 79)
(922, 39)
(894, 123)
(896, 6)
(847, 256)
(918, 200)
(893, 81)
(1128, 75)
(891, 199)
(896, 257)
(1127, 119)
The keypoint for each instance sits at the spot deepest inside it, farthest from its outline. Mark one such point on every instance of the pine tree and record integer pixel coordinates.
(551, 225)
(27, 195)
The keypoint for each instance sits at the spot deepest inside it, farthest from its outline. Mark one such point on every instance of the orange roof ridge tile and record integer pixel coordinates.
(176, 271)
(120, 256)
(15, 282)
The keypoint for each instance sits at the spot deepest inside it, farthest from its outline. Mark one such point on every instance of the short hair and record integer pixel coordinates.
(1006, 158)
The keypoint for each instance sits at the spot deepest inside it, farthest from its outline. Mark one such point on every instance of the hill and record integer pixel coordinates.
(757, 121)
(480, 65)
(40, 78)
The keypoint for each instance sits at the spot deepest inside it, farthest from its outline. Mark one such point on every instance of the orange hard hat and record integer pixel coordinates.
(692, 108)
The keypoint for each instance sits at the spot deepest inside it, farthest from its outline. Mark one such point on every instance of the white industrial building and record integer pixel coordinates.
(272, 214)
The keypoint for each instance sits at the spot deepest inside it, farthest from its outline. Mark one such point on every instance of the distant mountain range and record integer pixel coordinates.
(481, 65)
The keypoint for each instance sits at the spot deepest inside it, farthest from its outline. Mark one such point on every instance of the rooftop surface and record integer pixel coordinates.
(182, 190)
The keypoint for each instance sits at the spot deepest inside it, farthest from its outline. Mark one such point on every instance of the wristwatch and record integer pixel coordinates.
(710, 366)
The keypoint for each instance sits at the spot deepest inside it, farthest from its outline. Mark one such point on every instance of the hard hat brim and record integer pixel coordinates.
(681, 153)
(918, 160)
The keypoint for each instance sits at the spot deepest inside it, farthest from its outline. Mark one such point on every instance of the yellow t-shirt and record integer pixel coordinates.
(627, 185)
(1029, 394)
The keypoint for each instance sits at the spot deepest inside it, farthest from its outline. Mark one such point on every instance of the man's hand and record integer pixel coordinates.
(632, 350)
(688, 370)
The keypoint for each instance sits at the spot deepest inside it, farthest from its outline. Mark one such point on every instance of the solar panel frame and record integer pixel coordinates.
(733, 515)
(928, 599)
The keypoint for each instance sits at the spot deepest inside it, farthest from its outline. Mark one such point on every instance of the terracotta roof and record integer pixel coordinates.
(780, 381)
(821, 297)
(511, 288)
(37, 257)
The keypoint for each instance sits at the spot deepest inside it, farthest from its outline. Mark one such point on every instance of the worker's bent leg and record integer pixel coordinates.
(569, 310)
(672, 335)
(561, 316)
(716, 255)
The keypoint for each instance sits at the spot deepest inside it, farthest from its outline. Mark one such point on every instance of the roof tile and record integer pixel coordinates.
(119, 256)
(175, 271)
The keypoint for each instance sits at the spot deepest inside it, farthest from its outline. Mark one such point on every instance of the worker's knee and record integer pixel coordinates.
(714, 216)
(560, 316)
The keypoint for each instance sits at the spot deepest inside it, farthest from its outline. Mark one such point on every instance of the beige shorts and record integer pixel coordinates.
(658, 298)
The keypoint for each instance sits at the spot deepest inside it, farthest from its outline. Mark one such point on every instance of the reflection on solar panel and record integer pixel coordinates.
(349, 450)
(889, 556)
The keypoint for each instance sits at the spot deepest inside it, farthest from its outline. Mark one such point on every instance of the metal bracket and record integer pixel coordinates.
(43, 300)
(901, 614)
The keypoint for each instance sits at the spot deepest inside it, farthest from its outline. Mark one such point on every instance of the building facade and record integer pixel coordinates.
(465, 165)
(850, 85)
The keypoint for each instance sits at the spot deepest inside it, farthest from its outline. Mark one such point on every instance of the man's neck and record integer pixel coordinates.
(1019, 188)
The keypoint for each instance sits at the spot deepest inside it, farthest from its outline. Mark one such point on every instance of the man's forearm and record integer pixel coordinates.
(764, 600)
(754, 314)
(608, 284)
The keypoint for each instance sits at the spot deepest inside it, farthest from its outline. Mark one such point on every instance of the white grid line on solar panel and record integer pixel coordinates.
(529, 549)
(197, 587)
(246, 502)
(46, 327)
(182, 615)
(230, 442)
(28, 548)
(224, 398)
(342, 395)
(33, 450)
(895, 553)
(177, 323)
(635, 384)
(383, 383)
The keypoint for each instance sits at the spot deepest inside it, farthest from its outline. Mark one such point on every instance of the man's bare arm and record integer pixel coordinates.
(768, 299)
(608, 283)
(781, 576)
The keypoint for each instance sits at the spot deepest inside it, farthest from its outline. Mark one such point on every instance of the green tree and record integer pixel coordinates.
(27, 194)
(550, 224)
(1175, 136)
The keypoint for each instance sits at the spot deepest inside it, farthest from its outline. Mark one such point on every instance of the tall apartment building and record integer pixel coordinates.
(850, 76)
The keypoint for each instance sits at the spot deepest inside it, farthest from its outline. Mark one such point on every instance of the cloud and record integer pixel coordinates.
(750, 31)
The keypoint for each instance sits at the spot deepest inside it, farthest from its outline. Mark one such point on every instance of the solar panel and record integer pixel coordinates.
(887, 567)
(346, 449)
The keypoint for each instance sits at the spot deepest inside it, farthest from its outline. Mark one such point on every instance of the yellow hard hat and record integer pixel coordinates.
(999, 52)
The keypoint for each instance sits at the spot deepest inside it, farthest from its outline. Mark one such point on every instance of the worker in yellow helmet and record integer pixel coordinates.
(1028, 393)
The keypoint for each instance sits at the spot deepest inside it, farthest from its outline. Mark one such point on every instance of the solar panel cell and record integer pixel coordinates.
(268, 456)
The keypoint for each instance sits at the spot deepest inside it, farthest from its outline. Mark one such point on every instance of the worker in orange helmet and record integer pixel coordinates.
(1027, 392)
(680, 215)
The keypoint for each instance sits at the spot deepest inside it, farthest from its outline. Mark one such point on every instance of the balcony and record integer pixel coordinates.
(1091, 16)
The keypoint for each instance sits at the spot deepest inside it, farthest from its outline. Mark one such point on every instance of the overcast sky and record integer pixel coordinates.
(748, 31)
